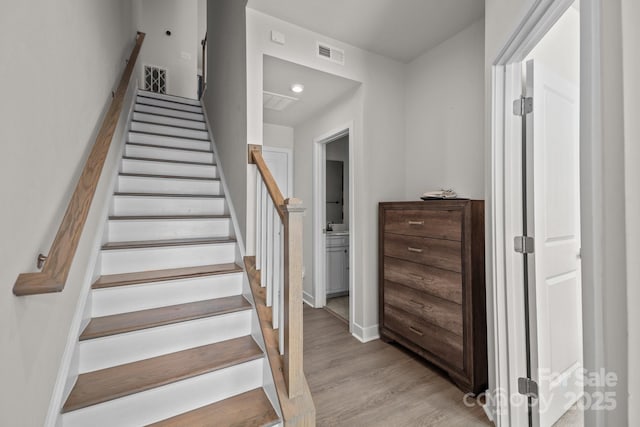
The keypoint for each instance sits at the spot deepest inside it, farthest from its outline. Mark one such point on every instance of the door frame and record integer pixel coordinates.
(320, 217)
(505, 298)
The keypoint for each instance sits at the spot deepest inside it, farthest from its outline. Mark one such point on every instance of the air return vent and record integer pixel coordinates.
(331, 53)
(276, 102)
(155, 79)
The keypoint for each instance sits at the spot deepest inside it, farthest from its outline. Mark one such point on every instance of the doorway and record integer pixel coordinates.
(536, 183)
(333, 184)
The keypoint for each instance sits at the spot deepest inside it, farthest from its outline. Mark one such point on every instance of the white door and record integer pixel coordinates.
(553, 218)
(280, 164)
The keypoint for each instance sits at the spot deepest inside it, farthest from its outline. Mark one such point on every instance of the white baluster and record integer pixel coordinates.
(258, 220)
(281, 288)
(277, 277)
(263, 227)
(269, 259)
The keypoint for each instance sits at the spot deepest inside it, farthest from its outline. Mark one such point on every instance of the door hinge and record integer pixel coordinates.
(523, 244)
(522, 106)
(528, 387)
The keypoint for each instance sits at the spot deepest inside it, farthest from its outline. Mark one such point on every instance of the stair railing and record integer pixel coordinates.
(203, 82)
(55, 267)
(279, 260)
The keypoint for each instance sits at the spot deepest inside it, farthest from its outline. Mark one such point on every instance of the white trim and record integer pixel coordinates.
(309, 299)
(367, 334)
(504, 200)
(319, 218)
(60, 388)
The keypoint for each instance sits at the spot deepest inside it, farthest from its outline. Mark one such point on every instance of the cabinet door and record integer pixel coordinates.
(335, 269)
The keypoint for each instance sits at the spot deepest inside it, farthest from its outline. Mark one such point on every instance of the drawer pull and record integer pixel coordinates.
(419, 304)
(415, 222)
(416, 250)
(416, 331)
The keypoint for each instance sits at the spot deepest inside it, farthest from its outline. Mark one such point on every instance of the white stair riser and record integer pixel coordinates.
(124, 299)
(169, 141)
(170, 400)
(131, 205)
(168, 130)
(133, 230)
(168, 154)
(106, 352)
(135, 184)
(169, 121)
(166, 168)
(167, 112)
(168, 104)
(170, 98)
(116, 261)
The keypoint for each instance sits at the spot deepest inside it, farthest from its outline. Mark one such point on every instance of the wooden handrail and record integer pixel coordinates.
(53, 276)
(204, 63)
(255, 157)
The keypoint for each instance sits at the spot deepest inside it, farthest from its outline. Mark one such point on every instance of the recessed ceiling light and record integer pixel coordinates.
(297, 88)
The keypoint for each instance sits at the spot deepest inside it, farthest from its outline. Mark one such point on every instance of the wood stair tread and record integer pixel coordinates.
(162, 243)
(250, 409)
(148, 175)
(100, 386)
(165, 147)
(197, 196)
(124, 279)
(180, 162)
(154, 317)
(169, 135)
(165, 217)
(174, 101)
(146, 122)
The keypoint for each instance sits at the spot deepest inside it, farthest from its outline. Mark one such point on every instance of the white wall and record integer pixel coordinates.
(339, 150)
(65, 59)
(225, 99)
(604, 314)
(444, 108)
(277, 136)
(378, 139)
(177, 53)
(631, 46)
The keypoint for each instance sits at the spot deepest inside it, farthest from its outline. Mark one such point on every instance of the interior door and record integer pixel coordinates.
(280, 164)
(553, 218)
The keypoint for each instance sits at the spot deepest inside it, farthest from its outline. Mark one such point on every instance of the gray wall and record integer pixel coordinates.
(226, 96)
(61, 60)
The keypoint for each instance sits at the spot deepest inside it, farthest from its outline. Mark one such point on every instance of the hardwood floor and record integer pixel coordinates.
(376, 384)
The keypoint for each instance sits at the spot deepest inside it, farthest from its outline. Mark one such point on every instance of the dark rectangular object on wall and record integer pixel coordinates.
(432, 284)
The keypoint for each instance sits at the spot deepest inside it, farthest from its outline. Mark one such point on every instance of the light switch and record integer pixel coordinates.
(277, 37)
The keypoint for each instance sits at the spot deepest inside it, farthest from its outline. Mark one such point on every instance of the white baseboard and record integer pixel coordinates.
(363, 334)
(489, 412)
(309, 299)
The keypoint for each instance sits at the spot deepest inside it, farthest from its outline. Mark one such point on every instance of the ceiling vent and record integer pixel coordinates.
(275, 101)
(331, 53)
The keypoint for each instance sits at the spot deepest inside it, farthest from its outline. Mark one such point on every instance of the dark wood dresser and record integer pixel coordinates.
(432, 284)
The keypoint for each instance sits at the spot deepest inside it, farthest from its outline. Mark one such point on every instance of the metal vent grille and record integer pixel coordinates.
(155, 79)
(330, 53)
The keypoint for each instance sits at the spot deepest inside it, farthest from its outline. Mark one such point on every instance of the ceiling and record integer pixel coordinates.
(398, 29)
(320, 90)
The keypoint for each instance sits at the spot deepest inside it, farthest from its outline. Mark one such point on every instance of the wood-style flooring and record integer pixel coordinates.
(376, 384)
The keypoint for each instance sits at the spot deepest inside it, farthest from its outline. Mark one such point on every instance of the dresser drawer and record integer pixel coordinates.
(445, 254)
(441, 283)
(437, 224)
(445, 345)
(430, 309)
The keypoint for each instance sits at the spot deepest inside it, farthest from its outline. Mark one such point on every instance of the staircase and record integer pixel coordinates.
(169, 342)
